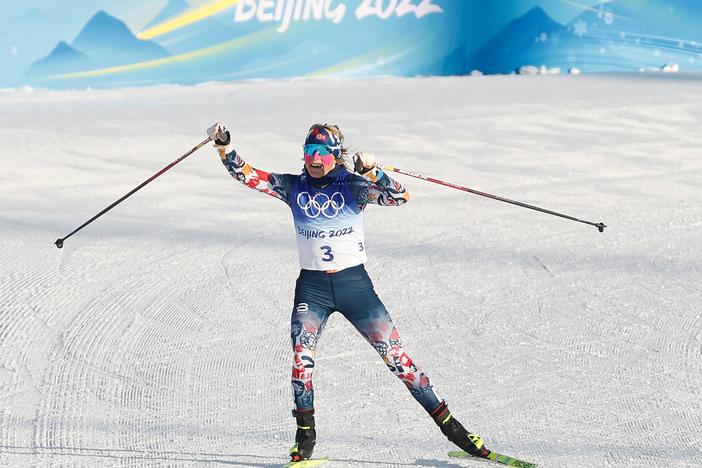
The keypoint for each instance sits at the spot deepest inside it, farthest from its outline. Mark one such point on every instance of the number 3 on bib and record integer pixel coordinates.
(328, 256)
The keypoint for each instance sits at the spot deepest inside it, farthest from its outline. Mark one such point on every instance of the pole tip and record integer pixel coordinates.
(59, 243)
(600, 227)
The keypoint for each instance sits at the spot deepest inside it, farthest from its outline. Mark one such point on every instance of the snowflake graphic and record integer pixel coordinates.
(580, 28)
(308, 340)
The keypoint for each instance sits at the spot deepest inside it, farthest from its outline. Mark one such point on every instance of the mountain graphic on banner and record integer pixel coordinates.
(104, 41)
(531, 39)
(62, 58)
(108, 41)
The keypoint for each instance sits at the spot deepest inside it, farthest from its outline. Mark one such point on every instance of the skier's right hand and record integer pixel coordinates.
(220, 135)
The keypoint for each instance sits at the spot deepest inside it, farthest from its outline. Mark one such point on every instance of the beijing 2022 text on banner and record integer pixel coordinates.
(105, 43)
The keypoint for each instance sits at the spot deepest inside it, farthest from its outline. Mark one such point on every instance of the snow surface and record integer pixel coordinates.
(158, 336)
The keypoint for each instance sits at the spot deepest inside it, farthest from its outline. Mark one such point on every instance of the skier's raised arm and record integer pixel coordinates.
(375, 186)
(275, 185)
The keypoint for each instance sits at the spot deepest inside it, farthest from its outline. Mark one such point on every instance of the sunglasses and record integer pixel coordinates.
(323, 151)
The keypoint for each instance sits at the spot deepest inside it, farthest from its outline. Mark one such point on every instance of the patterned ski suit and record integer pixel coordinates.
(328, 217)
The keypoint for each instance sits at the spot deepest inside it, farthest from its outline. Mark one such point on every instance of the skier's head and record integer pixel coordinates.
(323, 149)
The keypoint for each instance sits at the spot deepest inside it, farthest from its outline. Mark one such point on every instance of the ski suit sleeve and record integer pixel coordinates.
(376, 187)
(275, 185)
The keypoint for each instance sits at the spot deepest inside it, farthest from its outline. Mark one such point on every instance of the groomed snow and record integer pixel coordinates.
(159, 334)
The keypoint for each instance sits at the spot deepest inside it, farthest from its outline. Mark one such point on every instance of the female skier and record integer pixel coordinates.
(327, 201)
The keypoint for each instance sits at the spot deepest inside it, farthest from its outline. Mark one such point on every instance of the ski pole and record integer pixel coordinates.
(59, 242)
(600, 226)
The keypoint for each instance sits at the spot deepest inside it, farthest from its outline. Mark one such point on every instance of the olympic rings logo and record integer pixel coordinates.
(320, 204)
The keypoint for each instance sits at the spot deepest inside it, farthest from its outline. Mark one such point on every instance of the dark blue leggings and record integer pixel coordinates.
(350, 291)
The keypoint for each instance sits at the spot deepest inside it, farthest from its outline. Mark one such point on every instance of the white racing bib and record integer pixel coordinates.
(328, 225)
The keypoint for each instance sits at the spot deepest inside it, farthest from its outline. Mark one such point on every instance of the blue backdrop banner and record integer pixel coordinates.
(130, 43)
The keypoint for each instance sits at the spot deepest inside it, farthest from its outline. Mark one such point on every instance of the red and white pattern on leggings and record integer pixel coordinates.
(386, 341)
(304, 336)
(381, 334)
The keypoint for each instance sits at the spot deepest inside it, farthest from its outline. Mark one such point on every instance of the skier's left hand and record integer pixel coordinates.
(364, 162)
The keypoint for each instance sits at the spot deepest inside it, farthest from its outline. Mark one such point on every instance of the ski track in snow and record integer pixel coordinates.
(159, 335)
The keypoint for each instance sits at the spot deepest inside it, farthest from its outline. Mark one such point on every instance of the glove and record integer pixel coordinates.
(364, 162)
(220, 135)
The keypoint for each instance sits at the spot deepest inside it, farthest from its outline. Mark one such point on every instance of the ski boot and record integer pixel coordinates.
(456, 433)
(305, 437)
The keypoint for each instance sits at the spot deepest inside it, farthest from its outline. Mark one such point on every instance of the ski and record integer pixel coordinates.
(307, 463)
(494, 457)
